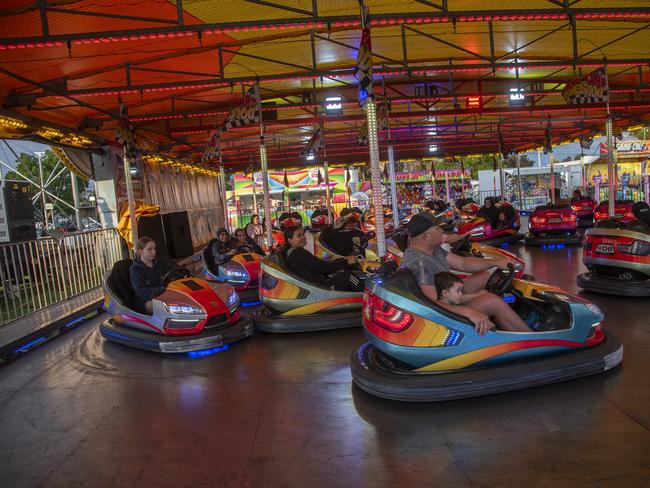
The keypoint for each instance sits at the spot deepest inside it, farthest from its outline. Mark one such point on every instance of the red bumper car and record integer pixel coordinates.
(467, 207)
(494, 232)
(623, 211)
(584, 209)
(617, 255)
(553, 225)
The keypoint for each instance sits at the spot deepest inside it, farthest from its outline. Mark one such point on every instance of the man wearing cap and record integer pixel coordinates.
(425, 258)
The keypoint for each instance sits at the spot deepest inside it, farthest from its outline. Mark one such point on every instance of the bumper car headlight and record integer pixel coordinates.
(233, 301)
(184, 309)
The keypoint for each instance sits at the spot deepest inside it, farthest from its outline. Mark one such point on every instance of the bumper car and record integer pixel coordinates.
(396, 246)
(584, 209)
(190, 315)
(286, 220)
(241, 271)
(494, 233)
(467, 207)
(369, 224)
(617, 255)
(292, 304)
(368, 262)
(623, 211)
(318, 220)
(553, 225)
(420, 352)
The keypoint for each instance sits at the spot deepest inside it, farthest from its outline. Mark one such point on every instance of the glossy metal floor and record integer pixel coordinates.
(278, 411)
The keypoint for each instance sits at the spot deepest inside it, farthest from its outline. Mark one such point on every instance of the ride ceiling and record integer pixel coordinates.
(445, 68)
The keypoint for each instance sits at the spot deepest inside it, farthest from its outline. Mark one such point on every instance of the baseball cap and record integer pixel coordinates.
(421, 222)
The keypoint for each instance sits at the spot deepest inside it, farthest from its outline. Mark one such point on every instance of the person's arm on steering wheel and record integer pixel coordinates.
(482, 322)
(144, 290)
(471, 264)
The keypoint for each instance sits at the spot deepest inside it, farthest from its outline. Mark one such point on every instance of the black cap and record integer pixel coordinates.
(422, 222)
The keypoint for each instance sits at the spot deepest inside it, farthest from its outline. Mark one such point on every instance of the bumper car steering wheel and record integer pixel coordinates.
(500, 280)
(175, 274)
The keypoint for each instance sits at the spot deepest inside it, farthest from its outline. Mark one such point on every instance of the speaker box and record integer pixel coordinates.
(17, 212)
(179, 237)
(153, 227)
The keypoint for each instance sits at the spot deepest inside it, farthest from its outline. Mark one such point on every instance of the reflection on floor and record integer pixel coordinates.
(279, 411)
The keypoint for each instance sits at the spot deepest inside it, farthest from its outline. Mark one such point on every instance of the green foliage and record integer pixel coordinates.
(61, 186)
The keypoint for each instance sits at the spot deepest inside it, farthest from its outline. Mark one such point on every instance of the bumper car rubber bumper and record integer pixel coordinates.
(534, 240)
(497, 241)
(608, 286)
(372, 372)
(267, 321)
(249, 295)
(584, 222)
(176, 344)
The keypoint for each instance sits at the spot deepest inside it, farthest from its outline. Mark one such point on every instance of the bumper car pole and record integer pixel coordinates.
(519, 191)
(393, 185)
(265, 174)
(328, 199)
(375, 174)
(129, 196)
(365, 85)
(222, 184)
(611, 176)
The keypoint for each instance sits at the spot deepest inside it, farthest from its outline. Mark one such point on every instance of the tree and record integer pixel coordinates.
(61, 185)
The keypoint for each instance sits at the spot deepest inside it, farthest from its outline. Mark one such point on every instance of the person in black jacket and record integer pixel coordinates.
(244, 244)
(146, 274)
(345, 238)
(222, 248)
(489, 211)
(334, 274)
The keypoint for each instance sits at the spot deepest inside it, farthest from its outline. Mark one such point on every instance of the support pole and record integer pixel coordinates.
(75, 199)
(328, 198)
(502, 181)
(224, 198)
(611, 165)
(328, 201)
(393, 185)
(447, 184)
(265, 186)
(375, 171)
(129, 196)
(39, 155)
(519, 192)
(552, 182)
(375, 175)
(611, 162)
(254, 192)
(583, 175)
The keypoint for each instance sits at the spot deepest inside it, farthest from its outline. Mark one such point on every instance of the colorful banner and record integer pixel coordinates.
(628, 149)
(628, 174)
(420, 176)
(299, 180)
(125, 134)
(593, 88)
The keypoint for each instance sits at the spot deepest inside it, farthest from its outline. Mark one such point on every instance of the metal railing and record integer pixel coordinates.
(40, 273)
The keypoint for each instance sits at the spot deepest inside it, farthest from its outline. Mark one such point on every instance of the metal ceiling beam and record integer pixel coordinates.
(599, 48)
(286, 8)
(447, 43)
(330, 74)
(107, 15)
(300, 23)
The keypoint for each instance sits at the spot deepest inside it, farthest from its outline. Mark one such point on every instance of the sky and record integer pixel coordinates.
(19, 147)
